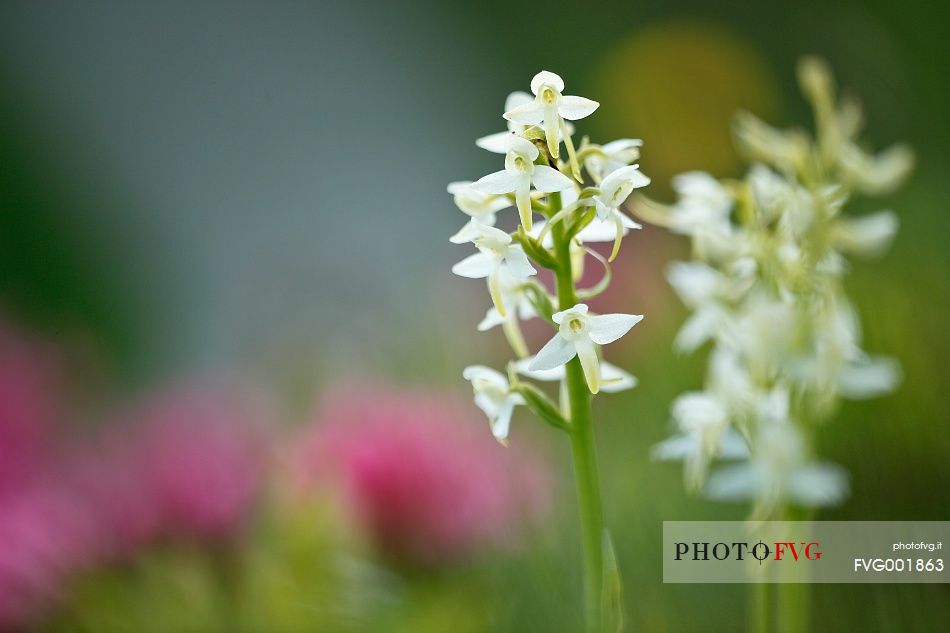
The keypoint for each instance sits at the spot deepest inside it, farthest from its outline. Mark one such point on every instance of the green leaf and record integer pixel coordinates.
(578, 224)
(534, 250)
(542, 406)
(540, 301)
(611, 596)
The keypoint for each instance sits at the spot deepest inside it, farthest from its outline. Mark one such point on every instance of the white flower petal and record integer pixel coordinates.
(487, 374)
(607, 328)
(487, 404)
(467, 233)
(676, 447)
(698, 328)
(733, 446)
(621, 144)
(503, 181)
(580, 309)
(517, 98)
(548, 179)
(613, 379)
(630, 173)
(517, 263)
(733, 483)
(869, 378)
(555, 353)
(526, 114)
(523, 367)
(589, 362)
(492, 318)
(599, 231)
(524, 147)
(549, 78)
(573, 108)
(818, 484)
(476, 266)
(869, 235)
(502, 421)
(694, 282)
(498, 143)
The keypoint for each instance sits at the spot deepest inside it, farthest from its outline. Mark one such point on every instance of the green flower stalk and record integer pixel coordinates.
(579, 200)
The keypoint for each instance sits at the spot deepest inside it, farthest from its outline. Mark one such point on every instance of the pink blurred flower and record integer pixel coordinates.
(186, 462)
(109, 474)
(203, 453)
(44, 536)
(422, 473)
(30, 401)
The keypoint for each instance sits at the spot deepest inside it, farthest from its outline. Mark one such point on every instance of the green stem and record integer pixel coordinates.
(583, 448)
(793, 600)
(760, 616)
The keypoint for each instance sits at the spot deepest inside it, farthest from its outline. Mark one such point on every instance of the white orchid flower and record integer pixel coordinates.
(578, 335)
(612, 156)
(497, 256)
(550, 109)
(519, 174)
(481, 207)
(517, 308)
(498, 142)
(615, 188)
(494, 397)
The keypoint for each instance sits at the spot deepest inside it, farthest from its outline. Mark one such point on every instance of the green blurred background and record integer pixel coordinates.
(187, 189)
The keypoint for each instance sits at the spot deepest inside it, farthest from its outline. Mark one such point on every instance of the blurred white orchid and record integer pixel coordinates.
(778, 473)
(765, 287)
(703, 422)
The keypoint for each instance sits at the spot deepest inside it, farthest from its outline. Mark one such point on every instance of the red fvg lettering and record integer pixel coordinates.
(788, 547)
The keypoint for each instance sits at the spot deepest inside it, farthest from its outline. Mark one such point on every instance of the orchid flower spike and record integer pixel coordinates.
(496, 256)
(577, 335)
(615, 188)
(494, 397)
(519, 174)
(550, 109)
